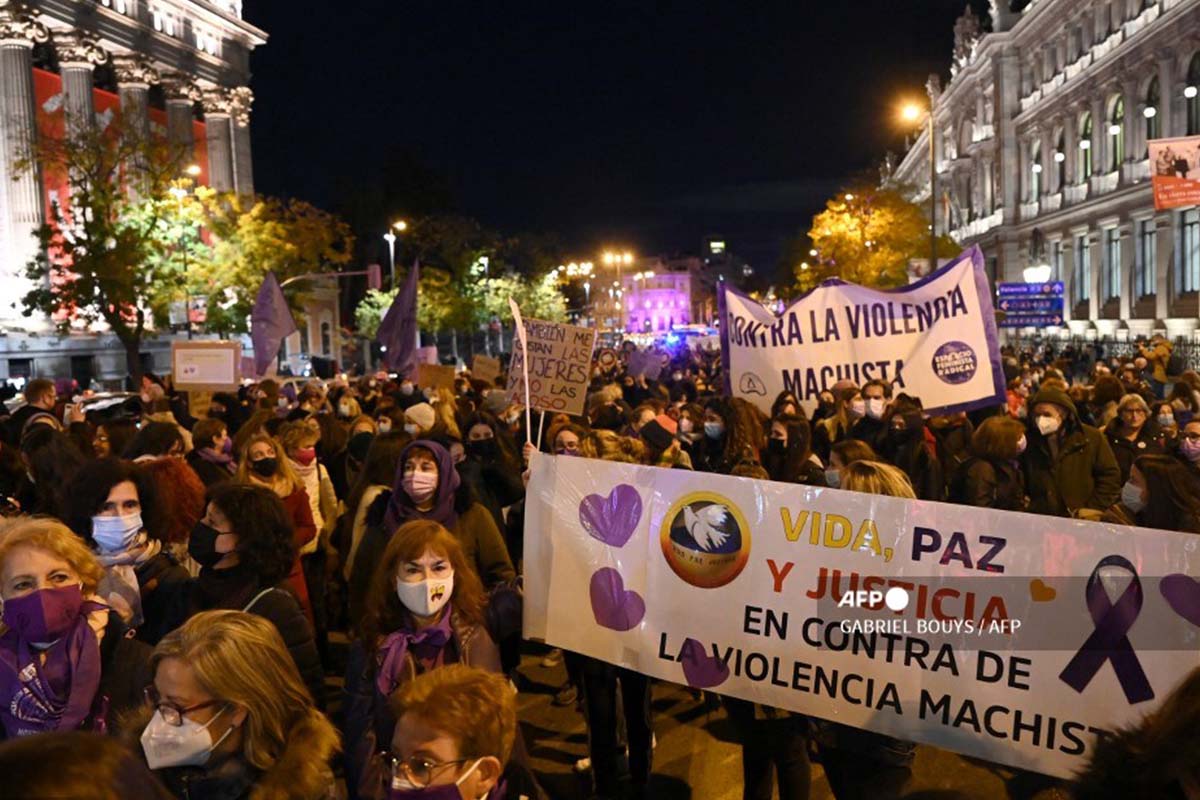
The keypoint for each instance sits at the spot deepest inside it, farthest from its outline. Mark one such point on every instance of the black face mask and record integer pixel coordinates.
(483, 449)
(202, 545)
(265, 467)
(776, 447)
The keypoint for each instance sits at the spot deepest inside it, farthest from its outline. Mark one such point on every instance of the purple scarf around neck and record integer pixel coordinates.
(392, 653)
(401, 509)
(220, 459)
(57, 695)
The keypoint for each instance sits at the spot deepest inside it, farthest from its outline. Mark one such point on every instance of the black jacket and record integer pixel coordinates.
(159, 579)
(989, 483)
(1149, 442)
(209, 473)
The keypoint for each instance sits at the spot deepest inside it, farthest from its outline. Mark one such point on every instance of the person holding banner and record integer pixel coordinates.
(1069, 468)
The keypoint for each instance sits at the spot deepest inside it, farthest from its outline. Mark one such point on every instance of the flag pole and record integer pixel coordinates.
(519, 326)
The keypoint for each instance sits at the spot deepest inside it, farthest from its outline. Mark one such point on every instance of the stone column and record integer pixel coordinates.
(217, 115)
(1007, 83)
(1164, 229)
(1128, 300)
(1100, 137)
(1135, 123)
(1095, 240)
(23, 210)
(1070, 151)
(1068, 275)
(243, 168)
(1170, 96)
(134, 77)
(182, 94)
(79, 54)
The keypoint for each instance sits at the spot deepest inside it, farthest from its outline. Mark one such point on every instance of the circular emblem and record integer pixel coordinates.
(955, 362)
(705, 539)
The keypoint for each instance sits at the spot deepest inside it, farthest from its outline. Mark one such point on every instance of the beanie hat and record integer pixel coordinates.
(1050, 394)
(659, 432)
(423, 415)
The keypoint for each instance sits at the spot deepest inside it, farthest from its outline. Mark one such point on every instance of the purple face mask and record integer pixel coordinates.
(1190, 450)
(44, 615)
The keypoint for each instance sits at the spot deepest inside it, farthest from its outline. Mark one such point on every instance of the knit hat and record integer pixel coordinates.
(660, 432)
(423, 415)
(495, 402)
(1049, 394)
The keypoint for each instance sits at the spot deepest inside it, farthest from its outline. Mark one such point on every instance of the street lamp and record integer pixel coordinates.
(390, 238)
(911, 113)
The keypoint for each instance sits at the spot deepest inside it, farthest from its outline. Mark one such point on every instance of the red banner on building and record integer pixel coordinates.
(1175, 172)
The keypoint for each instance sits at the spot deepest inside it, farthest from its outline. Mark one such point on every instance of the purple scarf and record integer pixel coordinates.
(58, 694)
(220, 459)
(392, 654)
(401, 509)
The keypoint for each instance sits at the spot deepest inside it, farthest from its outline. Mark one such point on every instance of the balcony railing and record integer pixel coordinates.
(981, 133)
(1081, 63)
(1138, 171)
(1141, 20)
(1029, 210)
(1075, 194)
(1051, 202)
(1102, 184)
(1101, 49)
(977, 227)
(1031, 100)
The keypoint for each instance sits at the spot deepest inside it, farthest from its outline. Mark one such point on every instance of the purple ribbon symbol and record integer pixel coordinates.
(1109, 640)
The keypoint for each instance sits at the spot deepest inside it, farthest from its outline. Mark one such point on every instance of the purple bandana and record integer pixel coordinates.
(393, 651)
(57, 694)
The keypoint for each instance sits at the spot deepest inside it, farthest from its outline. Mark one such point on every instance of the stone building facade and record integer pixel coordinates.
(1041, 156)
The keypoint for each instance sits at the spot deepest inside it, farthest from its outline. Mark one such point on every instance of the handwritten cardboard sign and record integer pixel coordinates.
(560, 360)
(486, 369)
(435, 376)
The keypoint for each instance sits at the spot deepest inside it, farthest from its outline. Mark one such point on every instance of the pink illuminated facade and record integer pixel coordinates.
(655, 303)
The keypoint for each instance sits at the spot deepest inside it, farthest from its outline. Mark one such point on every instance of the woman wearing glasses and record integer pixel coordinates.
(66, 662)
(228, 716)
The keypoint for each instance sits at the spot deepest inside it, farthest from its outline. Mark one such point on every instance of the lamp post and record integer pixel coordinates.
(618, 261)
(390, 238)
(911, 113)
(179, 193)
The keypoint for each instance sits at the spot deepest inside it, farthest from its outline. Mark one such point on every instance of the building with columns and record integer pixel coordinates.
(179, 66)
(1041, 156)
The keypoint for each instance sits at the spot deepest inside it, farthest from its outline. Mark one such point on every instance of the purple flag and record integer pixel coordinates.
(270, 323)
(398, 331)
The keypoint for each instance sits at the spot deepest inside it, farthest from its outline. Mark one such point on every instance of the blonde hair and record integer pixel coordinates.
(241, 658)
(1133, 401)
(53, 537)
(362, 421)
(293, 435)
(444, 405)
(283, 465)
(475, 708)
(608, 446)
(352, 404)
(875, 477)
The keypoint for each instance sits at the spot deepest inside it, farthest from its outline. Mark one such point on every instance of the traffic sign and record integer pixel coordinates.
(1031, 320)
(1048, 289)
(1031, 305)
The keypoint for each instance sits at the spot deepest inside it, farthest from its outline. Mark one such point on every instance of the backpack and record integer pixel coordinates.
(1176, 364)
(957, 483)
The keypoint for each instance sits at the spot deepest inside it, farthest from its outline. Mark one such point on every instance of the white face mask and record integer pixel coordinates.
(1047, 424)
(186, 745)
(406, 389)
(1022, 443)
(411, 429)
(875, 406)
(283, 402)
(113, 534)
(425, 598)
(385, 426)
(858, 408)
(1132, 498)
(344, 410)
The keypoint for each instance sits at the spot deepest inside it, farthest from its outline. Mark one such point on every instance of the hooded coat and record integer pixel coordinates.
(1073, 469)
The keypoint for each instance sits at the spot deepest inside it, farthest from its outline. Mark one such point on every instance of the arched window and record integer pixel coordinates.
(1189, 92)
(1060, 161)
(1116, 134)
(1085, 148)
(1035, 172)
(326, 339)
(1150, 112)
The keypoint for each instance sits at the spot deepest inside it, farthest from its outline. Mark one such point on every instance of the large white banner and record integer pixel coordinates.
(1011, 637)
(935, 339)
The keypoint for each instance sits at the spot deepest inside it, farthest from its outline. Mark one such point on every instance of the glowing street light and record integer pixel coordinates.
(193, 170)
(911, 113)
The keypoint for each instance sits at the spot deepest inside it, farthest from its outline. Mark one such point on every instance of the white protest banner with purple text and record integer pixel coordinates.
(1009, 637)
(935, 339)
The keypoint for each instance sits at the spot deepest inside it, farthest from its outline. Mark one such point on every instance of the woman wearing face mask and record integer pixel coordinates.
(1133, 433)
(427, 486)
(66, 661)
(114, 506)
(261, 465)
(348, 408)
(567, 439)
(227, 715)
(244, 545)
(212, 458)
(492, 468)
(1187, 449)
(420, 420)
(850, 409)
(1168, 423)
(425, 609)
(731, 434)
(906, 446)
(991, 477)
(788, 456)
(1159, 494)
(389, 419)
(841, 455)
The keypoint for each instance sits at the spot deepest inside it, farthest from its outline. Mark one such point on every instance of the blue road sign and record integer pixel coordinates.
(1031, 320)
(1028, 305)
(1049, 289)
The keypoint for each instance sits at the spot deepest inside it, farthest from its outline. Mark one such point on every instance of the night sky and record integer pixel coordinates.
(644, 125)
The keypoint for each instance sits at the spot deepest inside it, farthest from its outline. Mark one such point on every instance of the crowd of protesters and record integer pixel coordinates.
(173, 583)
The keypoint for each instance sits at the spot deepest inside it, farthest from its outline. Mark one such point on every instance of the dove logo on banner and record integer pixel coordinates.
(705, 539)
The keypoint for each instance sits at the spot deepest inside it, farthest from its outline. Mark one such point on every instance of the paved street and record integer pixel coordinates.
(697, 756)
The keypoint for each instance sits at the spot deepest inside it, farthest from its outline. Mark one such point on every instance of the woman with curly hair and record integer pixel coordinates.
(425, 609)
(245, 548)
(733, 432)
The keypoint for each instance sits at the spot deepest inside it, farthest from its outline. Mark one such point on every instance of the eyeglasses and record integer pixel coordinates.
(1192, 437)
(171, 713)
(418, 769)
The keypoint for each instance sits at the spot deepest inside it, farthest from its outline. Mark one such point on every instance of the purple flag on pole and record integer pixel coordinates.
(398, 331)
(270, 323)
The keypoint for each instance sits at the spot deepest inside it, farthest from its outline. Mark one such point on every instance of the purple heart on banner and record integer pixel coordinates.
(1109, 640)
(612, 605)
(700, 669)
(614, 518)
(1182, 594)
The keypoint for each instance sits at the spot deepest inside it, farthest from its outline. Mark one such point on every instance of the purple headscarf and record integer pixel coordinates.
(393, 651)
(56, 695)
(401, 509)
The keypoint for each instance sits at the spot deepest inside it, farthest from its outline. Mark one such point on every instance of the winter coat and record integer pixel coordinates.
(368, 722)
(1158, 356)
(475, 530)
(1081, 473)
(301, 772)
(305, 530)
(210, 474)
(992, 483)
(1149, 442)
(159, 579)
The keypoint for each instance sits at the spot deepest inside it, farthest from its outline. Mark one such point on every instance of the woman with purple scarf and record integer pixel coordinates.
(66, 662)
(425, 609)
(428, 487)
(212, 455)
